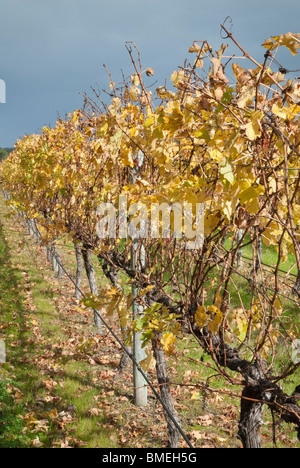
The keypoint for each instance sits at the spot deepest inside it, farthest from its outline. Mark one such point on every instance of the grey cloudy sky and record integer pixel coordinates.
(51, 50)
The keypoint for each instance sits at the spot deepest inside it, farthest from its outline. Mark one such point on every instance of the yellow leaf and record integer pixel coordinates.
(168, 342)
(246, 98)
(135, 80)
(126, 159)
(227, 173)
(218, 300)
(146, 290)
(251, 193)
(288, 40)
(210, 223)
(149, 121)
(195, 395)
(216, 155)
(53, 414)
(284, 112)
(134, 93)
(198, 63)
(149, 362)
(252, 130)
(200, 316)
(76, 115)
(215, 322)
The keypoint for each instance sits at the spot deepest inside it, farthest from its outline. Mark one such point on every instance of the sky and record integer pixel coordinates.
(53, 50)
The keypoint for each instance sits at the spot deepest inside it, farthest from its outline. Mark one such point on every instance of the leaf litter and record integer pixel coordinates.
(97, 358)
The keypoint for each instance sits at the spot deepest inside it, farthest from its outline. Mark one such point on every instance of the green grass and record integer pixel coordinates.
(269, 256)
(31, 324)
(11, 424)
(15, 330)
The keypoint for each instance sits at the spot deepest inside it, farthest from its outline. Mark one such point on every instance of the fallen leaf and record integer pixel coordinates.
(205, 420)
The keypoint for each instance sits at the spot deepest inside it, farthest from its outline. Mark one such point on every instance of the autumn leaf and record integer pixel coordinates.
(149, 71)
(246, 98)
(226, 171)
(200, 316)
(168, 342)
(216, 320)
(36, 443)
(195, 48)
(288, 40)
(195, 395)
(144, 291)
(149, 362)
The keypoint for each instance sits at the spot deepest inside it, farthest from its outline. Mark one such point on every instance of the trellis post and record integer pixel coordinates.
(137, 261)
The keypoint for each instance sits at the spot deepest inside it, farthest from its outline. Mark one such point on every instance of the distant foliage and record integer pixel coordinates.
(4, 152)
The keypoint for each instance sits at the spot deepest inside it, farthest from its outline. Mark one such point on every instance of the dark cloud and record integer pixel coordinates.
(53, 50)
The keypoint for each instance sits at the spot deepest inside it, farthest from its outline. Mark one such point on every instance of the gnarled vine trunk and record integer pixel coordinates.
(165, 391)
(79, 269)
(252, 406)
(90, 272)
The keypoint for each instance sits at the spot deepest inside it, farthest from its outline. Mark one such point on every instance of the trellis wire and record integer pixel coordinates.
(138, 367)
